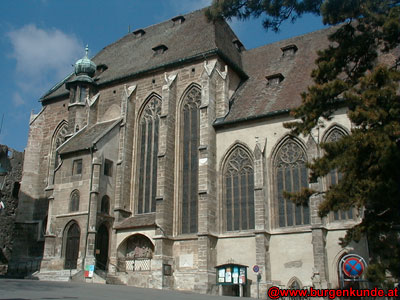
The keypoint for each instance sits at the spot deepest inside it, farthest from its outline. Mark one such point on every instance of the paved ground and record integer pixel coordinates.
(13, 289)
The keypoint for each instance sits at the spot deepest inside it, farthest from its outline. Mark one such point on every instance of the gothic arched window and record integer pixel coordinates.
(290, 175)
(58, 139)
(334, 176)
(294, 284)
(149, 124)
(190, 159)
(238, 185)
(74, 201)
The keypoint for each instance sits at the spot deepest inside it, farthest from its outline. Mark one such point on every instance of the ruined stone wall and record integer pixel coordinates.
(11, 161)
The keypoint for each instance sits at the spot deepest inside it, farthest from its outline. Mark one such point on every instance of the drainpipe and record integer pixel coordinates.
(90, 201)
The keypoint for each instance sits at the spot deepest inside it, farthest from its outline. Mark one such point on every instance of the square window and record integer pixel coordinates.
(77, 167)
(108, 164)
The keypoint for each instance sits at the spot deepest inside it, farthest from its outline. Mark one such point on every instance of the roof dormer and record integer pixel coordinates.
(178, 20)
(274, 79)
(101, 68)
(160, 49)
(139, 33)
(289, 50)
(238, 44)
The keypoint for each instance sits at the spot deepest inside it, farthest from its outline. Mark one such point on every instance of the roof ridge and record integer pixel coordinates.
(129, 34)
(290, 38)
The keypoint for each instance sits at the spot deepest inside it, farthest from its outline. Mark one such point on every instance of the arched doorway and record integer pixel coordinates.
(72, 246)
(135, 253)
(102, 247)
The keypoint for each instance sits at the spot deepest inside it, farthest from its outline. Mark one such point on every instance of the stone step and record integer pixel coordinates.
(112, 279)
(60, 275)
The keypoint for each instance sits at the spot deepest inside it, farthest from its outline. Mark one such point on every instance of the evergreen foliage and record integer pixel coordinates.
(351, 73)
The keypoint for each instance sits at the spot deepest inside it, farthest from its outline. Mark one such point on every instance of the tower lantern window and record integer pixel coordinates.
(82, 95)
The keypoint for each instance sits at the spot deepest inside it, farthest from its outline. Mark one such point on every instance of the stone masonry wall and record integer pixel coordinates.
(11, 160)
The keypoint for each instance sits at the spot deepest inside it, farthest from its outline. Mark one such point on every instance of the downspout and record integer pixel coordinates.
(90, 201)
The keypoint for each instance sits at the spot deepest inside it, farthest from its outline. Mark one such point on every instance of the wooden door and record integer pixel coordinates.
(102, 247)
(72, 247)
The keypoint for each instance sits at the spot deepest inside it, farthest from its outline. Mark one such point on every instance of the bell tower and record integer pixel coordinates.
(81, 88)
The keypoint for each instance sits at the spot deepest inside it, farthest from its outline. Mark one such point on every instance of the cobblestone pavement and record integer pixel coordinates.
(13, 289)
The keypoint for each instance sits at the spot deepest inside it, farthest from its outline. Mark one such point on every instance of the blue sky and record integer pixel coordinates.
(40, 40)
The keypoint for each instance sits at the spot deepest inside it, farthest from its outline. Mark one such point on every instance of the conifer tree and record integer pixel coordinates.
(350, 73)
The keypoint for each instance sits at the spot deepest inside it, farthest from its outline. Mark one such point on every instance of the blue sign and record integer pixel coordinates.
(353, 267)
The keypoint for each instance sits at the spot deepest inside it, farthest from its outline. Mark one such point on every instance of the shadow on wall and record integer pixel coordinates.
(29, 231)
(3, 259)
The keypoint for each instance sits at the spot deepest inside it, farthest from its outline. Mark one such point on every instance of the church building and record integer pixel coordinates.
(165, 156)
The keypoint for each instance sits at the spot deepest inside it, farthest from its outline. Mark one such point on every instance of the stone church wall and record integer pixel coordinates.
(205, 86)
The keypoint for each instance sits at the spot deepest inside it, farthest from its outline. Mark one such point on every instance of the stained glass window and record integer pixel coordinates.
(58, 139)
(291, 175)
(191, 137)
(147, 154)
(239, 191)
(334, 176)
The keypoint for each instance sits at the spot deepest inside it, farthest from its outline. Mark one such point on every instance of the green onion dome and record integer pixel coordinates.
(85, 66)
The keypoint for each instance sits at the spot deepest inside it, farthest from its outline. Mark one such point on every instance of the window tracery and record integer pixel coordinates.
(334, 176)
(58, 139)
(190, 144)
(291, 175)
(239, 191)
(148, 150)
(74, 201)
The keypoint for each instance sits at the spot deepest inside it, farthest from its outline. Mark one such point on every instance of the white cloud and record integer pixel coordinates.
(43, 58)
(38, 50)
(17, 99)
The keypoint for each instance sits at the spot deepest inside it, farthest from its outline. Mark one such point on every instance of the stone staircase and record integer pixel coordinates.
(115, 279)
(59, 275)
(77, 275)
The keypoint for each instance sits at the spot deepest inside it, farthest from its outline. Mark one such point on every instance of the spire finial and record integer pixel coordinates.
(85, 66)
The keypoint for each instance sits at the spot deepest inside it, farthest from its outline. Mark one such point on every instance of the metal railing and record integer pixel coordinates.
(138, 264)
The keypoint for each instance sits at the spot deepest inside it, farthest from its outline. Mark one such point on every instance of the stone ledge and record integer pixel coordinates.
(72, 214)
(185, 237)
(236, 235)
(49, 188)
(76, 104)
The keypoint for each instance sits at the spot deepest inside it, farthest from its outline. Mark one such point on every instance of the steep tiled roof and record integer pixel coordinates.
(133, 54)
(255, 97)
(137, 221)
(85, 138)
